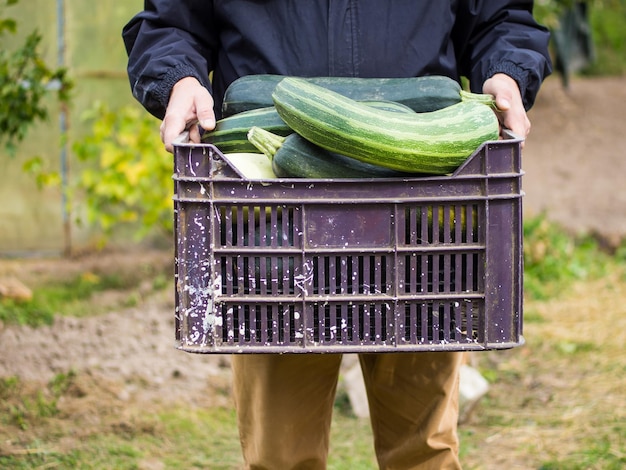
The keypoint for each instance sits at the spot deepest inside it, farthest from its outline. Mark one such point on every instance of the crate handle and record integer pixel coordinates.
(183, 138)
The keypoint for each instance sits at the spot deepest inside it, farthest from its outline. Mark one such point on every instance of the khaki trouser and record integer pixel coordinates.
(285, 402)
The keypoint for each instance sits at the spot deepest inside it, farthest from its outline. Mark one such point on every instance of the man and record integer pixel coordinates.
(284, 402)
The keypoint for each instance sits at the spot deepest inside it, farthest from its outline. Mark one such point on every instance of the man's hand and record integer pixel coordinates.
(190, 104)
(510, 108)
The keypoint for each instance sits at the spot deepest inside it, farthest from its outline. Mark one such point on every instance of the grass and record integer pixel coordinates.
(177, 437)
(558, 401)
(534, 417)
(69, 296)
(72, 297)
(555, 258)
(25, 408)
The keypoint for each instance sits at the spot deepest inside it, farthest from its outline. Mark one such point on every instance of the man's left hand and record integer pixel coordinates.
(510, 108)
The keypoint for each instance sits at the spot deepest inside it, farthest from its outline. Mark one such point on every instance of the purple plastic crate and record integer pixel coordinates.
(348, 265)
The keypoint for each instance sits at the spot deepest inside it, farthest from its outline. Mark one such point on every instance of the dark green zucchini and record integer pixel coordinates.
(421, 94)
(295, 157)
(230, 134)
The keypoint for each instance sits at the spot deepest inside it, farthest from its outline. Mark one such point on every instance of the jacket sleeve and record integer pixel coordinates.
(503, 37)
(165, 42)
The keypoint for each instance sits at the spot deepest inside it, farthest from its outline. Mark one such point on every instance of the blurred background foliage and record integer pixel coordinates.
(25, 79)
(121, 176)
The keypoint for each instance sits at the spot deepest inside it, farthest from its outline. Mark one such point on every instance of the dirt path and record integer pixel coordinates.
(574, 158)
(133, 346)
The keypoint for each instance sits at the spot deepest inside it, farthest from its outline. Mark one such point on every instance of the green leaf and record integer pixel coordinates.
(25, 81)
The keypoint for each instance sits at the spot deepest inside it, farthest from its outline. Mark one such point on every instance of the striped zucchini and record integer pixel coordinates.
(388, 106)
(436, 142)
(421, 94)
(230, 134)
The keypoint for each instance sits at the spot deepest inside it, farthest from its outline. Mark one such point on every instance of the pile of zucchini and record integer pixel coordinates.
(335, 127)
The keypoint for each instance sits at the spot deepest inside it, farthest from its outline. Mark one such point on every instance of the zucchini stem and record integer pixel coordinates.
(484, 98)
(265, 141)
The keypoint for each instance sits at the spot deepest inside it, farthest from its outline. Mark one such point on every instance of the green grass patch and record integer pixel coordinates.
(569, 348)
(532, 316)
(38, 458)
(70, 297)
(555, 258)
(23, 408)
(102, 454)
(183, 437)
(206, 438)
(601, 453)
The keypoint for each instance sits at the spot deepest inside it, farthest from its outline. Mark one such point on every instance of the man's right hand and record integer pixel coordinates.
(190, 104)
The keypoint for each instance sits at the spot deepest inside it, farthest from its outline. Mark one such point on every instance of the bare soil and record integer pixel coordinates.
(574, 156)
(124, 359)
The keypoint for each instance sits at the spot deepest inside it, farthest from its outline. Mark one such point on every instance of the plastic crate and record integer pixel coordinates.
(348, 265)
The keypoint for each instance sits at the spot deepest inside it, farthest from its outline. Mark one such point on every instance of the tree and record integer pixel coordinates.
(25, 78)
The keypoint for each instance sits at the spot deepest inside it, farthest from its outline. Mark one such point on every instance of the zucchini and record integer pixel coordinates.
(252, 166)
(435, 142)
(295, 157)
(421, 94)
(388, 105)
(230, 134)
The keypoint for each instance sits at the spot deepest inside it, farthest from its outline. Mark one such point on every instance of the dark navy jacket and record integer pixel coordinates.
(172, 39)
